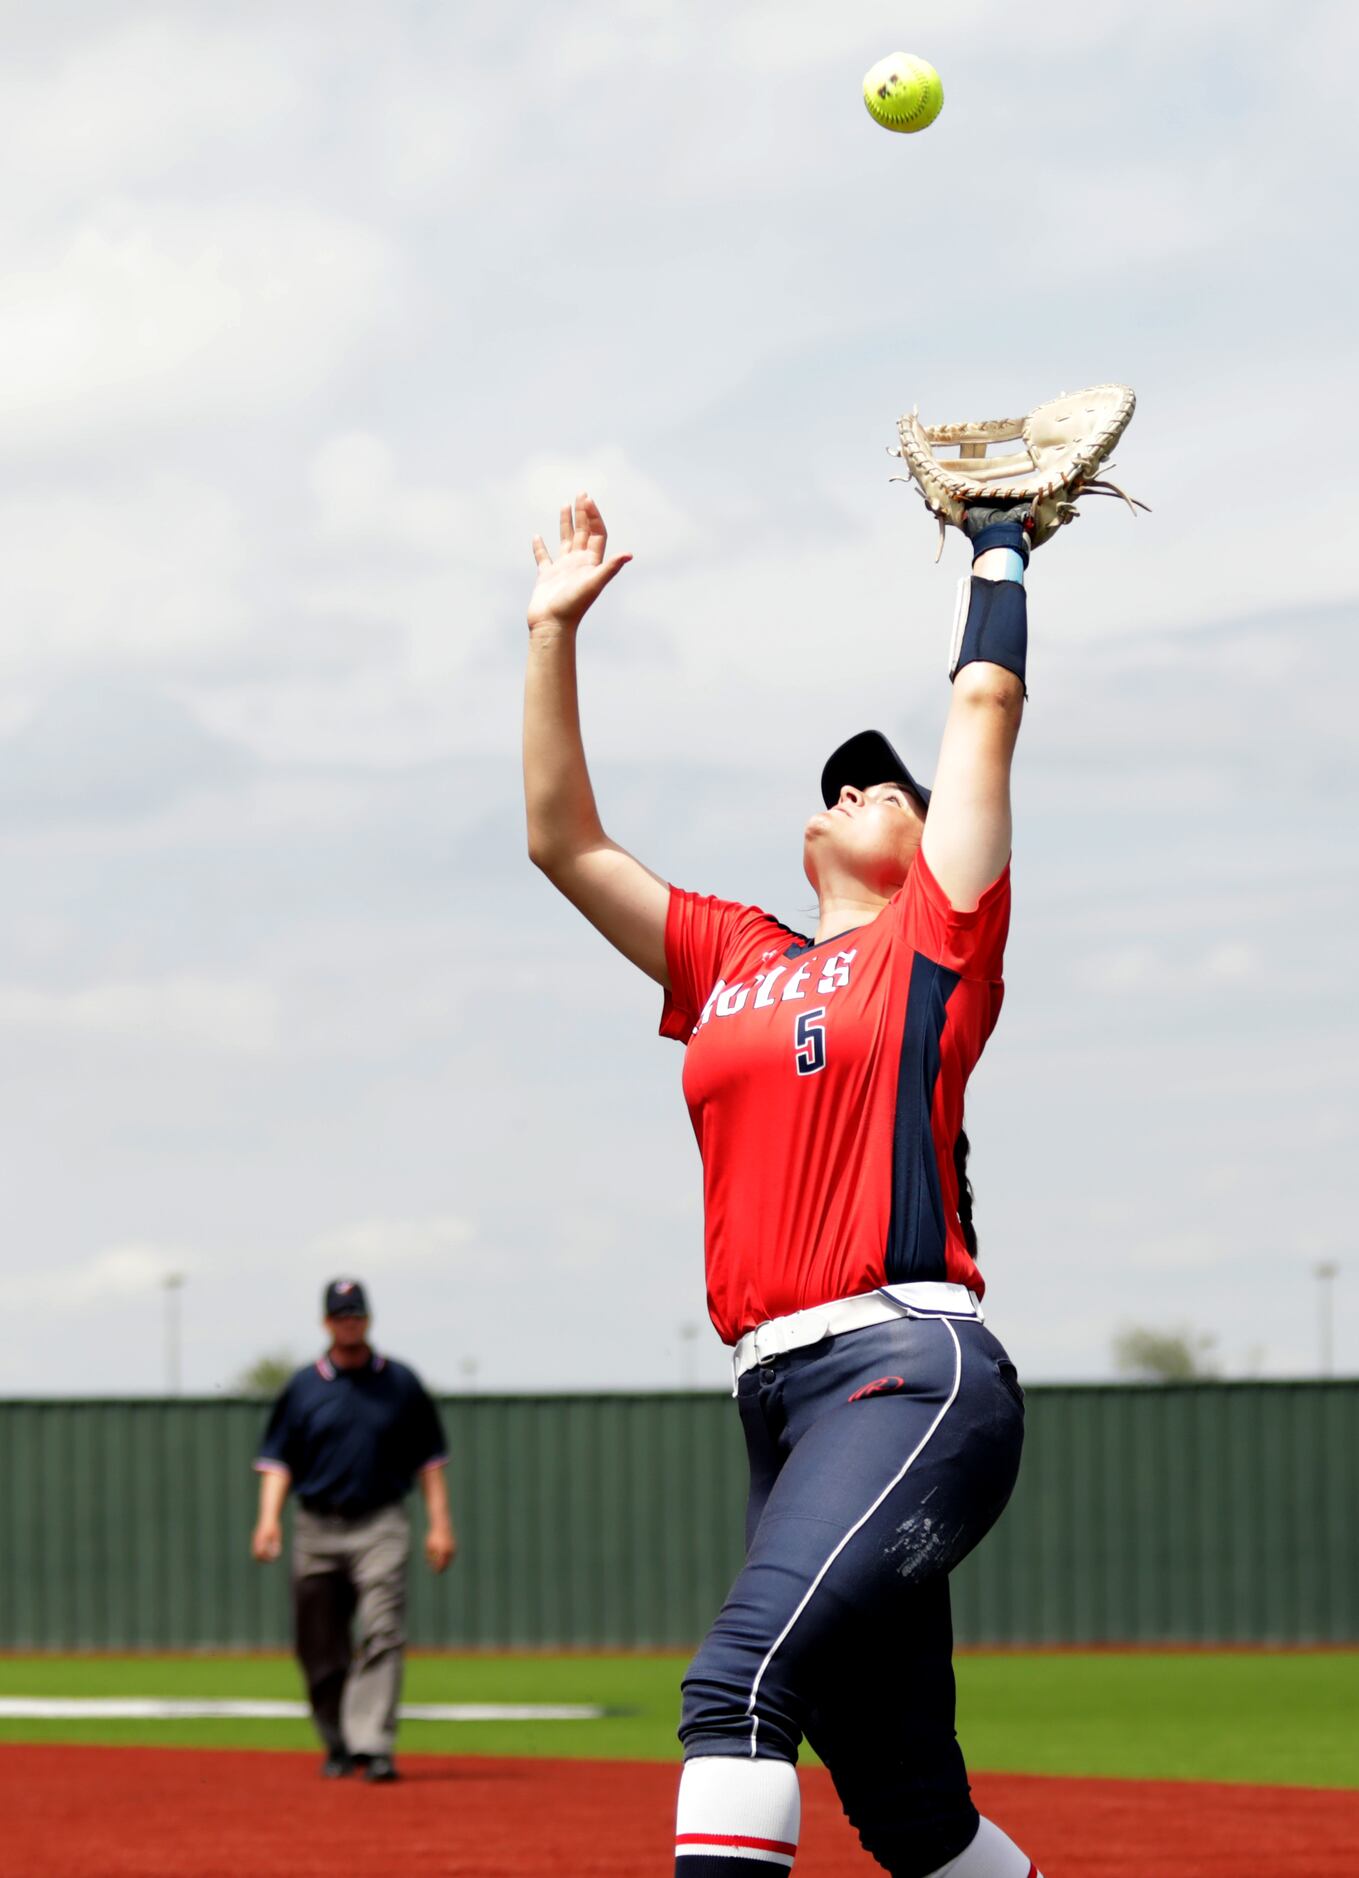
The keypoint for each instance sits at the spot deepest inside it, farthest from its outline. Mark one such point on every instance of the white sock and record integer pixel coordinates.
(733, 1808)
(990, 1855)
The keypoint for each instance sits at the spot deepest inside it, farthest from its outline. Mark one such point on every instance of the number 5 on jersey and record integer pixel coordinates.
(810, 1054)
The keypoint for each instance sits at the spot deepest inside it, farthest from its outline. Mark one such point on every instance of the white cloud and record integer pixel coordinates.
(1231, 963)
(1181, 1252)
(641, 509)
(231, 1016)
(424, 565)
(373, 717)
(769, 36)
(163, 315)
(370, 1248)
(1125, 968)
(353, 480)
(147, 570)
(133, 103)
(1181, 968)
(362, 499)
(381, 1245)
(106, 1278)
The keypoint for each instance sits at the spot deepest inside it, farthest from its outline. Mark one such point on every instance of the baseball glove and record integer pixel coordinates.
(1062, 446)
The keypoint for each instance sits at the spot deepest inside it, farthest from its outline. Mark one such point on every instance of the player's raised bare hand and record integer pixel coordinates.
(567, 586)
(266, 1542)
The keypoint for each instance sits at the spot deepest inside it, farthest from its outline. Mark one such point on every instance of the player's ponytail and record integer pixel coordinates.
(961, 1149)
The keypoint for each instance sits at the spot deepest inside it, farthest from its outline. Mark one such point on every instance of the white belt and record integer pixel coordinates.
(924, 1298)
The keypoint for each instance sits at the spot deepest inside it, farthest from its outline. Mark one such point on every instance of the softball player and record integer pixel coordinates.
(824, 1077)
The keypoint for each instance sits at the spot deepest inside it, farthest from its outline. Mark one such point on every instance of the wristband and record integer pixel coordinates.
(1002, 535)
(996, 628)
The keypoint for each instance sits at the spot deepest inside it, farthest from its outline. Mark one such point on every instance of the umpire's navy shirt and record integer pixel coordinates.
(353, 1440)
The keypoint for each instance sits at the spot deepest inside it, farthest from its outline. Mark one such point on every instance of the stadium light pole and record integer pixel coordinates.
(1326, 1273)
(173, 1285)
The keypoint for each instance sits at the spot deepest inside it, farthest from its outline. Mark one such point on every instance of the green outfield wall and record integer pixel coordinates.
(1211, 1513)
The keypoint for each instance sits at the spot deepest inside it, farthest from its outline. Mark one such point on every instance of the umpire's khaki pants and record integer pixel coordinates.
(349, 1615)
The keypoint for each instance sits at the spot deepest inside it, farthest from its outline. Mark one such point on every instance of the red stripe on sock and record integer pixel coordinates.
(734, 1838)
(1034, 1871)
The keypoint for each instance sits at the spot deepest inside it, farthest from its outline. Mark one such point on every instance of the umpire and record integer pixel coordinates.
(351, 1433)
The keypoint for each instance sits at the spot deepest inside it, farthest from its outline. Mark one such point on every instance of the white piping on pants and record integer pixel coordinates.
(892, 1484)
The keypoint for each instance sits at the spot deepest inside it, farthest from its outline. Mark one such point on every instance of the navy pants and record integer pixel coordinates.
(878, 1459)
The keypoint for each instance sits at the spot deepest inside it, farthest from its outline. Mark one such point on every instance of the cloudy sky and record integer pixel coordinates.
(310, 314)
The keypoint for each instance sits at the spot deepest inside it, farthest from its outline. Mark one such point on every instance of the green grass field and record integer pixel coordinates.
(1285, 1718)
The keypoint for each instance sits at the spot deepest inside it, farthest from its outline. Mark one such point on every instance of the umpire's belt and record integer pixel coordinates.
(925, 1298)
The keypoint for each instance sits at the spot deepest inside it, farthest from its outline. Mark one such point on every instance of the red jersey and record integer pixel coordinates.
(825, 1084)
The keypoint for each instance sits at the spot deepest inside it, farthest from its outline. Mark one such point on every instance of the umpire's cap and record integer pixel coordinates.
(865, 760)
(345, 1297)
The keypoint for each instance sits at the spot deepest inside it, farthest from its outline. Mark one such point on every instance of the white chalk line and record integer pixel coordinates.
(155, 1708)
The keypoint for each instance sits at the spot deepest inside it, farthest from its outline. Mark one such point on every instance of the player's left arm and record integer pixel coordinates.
(441, 1542)
(968, 829)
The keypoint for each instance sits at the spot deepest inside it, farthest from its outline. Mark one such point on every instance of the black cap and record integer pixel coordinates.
(345, 1298)
(863, 761)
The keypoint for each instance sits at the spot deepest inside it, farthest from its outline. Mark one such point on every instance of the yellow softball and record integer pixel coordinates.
(903, 92)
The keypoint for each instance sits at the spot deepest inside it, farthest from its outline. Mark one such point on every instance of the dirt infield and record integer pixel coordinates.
(76, 1812)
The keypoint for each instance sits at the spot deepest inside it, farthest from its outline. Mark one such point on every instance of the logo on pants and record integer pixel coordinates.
(884, 1385)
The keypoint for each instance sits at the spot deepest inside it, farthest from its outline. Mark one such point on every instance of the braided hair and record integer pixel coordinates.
(961, 1149)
